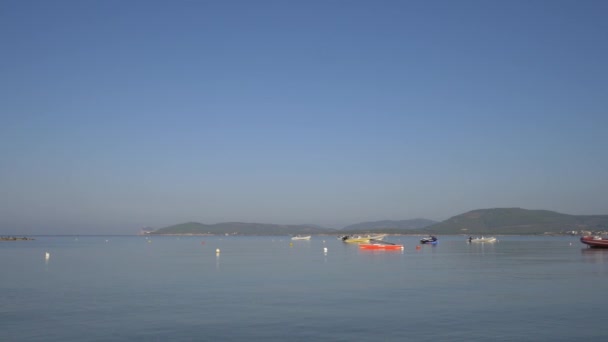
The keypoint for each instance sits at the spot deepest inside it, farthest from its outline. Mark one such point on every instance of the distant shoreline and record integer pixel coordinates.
(388, 234)
(31, 237)
(15, 238)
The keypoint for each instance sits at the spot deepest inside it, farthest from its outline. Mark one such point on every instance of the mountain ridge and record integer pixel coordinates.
(479, 221)
(517, 221)
(241, 228)
(416, 223)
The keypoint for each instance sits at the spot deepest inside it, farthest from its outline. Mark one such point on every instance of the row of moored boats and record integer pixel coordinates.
(369, 242)
(375, 241)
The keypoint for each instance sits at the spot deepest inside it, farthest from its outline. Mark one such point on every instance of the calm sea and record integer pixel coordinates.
(108, 288)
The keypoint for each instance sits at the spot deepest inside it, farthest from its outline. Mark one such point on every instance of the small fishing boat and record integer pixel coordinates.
(361, 239)
(595, 241)
(381, 245)
(482, 239)
(429, 240)
(301, 237)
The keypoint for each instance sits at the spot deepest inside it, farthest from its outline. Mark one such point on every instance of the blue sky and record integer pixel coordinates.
(121, 114)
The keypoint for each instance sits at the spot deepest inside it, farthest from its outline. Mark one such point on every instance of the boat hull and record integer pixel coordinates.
(381, 247)
(483, 240)
(362, 239)
(595, 241)
(428, 241)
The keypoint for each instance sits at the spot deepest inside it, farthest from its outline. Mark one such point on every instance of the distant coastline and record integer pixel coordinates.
(493, 221)
(15, 238)
(245, 234)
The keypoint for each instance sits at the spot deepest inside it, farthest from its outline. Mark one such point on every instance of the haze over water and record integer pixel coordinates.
(264, 289)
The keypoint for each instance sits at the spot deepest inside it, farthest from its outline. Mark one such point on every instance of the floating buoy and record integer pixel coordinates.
(291, 244)
(47, 255)
(325, 250)
(418, 247)
(217, 251)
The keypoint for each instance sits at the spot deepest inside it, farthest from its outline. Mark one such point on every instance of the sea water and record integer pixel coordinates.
(110, 288)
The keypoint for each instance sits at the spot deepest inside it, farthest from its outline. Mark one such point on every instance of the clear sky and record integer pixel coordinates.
(115, 115)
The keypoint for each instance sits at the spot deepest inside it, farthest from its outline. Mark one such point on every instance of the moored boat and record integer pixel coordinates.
(595, 241)
(482, 239)
(429, 240)
(301, 237)
(361, 239)
(379, 245)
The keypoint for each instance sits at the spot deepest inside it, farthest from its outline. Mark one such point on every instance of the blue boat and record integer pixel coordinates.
(429, 240)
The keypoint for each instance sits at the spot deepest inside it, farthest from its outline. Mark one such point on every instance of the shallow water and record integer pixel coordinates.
(102, 288)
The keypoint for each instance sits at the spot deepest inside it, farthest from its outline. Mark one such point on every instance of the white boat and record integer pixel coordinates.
(482, 239)
(301, 237)
(361, 239)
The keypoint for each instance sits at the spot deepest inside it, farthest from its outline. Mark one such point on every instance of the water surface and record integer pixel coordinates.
(273, 289)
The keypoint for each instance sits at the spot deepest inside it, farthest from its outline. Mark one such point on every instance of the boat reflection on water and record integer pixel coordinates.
(595, 255)
(381, 251)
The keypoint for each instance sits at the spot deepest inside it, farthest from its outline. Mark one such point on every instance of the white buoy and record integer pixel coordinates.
(47, 256)
(325, 250)
(217, 251)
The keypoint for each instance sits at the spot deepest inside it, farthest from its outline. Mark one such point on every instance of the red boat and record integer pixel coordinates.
(381, 246)
(595, 241)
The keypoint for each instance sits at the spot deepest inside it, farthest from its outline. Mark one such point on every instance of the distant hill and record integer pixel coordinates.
(477, 222)
(388, 226)
(240, 228)
(517, 221)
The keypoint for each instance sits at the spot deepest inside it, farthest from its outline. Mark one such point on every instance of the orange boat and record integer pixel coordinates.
(381, 246)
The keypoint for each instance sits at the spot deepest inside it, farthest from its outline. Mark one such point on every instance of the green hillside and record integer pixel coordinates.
(240, 228)
(388, 226)
(477, 222)
(517, 221)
